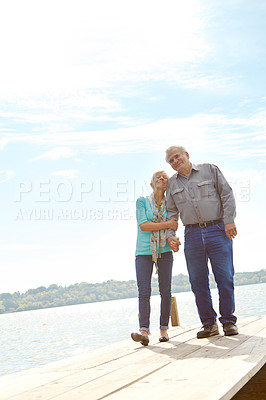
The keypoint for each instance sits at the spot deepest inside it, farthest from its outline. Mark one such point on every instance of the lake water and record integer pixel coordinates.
(33, 338)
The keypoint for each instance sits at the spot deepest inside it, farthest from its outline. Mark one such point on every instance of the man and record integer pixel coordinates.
(203, 199)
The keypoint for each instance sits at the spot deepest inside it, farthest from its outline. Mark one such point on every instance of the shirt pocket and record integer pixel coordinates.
(207, 189)
(178, 195)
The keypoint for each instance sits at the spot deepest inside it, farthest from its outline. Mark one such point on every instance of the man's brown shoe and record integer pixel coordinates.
(230, 329)
(207, 331)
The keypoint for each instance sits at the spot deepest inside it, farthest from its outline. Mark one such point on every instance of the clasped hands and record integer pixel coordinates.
(174, 243)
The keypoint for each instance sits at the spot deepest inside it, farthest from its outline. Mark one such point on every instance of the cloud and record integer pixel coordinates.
(93, 44)
(56, 153)
(238, 138)
(59, 112)
(68, 173)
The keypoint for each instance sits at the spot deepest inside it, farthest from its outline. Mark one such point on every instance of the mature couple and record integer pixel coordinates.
(203, 199)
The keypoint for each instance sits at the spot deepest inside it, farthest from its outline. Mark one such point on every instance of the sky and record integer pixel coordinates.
(92, 93)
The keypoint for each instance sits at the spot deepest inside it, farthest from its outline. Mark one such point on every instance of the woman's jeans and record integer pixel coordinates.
(201, 245)
(144, 267)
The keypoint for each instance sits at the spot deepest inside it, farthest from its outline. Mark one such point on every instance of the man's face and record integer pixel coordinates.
(179, 161)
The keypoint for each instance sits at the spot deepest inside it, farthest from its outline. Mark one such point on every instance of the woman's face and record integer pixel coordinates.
(160, 181)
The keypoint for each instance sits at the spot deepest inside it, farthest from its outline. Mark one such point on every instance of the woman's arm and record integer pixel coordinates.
(157, 226)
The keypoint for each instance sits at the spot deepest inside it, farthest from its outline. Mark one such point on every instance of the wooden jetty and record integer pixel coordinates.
(185, 367)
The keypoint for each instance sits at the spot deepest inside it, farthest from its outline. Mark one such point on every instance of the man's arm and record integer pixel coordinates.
(228, 202)
(172, 212)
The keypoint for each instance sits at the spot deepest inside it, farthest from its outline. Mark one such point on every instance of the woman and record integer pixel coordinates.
(152, 248)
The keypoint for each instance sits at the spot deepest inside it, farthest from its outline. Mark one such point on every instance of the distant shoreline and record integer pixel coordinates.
(83, 293)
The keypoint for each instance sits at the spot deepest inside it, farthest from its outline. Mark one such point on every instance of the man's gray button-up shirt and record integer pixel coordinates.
(204, 195)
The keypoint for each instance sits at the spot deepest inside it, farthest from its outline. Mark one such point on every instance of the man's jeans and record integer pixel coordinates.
(211, 243)
(144, 267)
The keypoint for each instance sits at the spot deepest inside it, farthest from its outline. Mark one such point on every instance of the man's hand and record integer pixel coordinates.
(230, 230)
(174, 243)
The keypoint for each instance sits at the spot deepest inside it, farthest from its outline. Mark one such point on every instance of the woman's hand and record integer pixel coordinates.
(173, 224)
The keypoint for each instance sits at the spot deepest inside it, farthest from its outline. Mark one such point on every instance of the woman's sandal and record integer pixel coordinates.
(137, 337)
(163, 339)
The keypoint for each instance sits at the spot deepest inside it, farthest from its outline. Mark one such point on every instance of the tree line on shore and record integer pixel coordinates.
(81, 293)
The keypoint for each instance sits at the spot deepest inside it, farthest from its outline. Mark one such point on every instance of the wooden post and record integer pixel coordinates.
(174, 313)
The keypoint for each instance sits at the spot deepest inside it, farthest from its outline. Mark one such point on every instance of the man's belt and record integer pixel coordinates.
(204, 224)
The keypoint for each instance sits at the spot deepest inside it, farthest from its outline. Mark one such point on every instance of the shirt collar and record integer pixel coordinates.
(195, 167)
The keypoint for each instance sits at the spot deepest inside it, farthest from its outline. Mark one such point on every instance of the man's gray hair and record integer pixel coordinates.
(181, 149)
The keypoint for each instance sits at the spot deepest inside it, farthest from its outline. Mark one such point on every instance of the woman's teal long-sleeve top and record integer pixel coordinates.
(144, 213)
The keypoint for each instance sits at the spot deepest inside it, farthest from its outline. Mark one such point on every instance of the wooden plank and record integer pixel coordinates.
(208, 373)
(136, 368)
(40, 379)
(124, 370)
